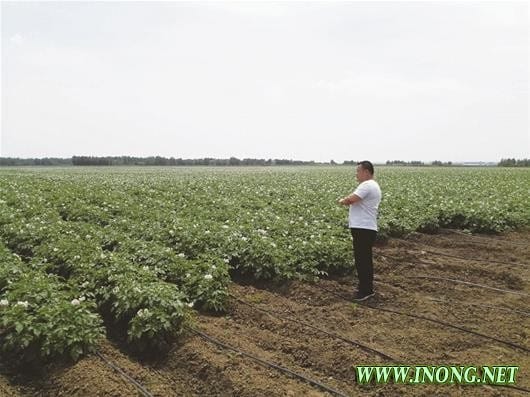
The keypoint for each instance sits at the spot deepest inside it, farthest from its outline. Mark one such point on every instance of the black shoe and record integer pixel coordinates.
(360, 296)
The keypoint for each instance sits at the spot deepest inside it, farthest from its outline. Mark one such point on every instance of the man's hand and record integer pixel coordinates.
(349, 200)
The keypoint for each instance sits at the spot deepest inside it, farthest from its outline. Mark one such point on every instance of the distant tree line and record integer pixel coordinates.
(153, 160)
(438, 163)
(208, 161)
(15, 161)
(401, 162)
(435, 163)
(514, 163)
(158, 160)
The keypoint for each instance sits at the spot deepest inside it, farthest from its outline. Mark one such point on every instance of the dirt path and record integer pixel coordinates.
(196, 367)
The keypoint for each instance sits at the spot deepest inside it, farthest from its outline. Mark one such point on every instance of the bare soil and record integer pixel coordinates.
(195, 367)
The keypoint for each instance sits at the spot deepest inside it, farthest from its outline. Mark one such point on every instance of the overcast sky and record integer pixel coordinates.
(310, 81)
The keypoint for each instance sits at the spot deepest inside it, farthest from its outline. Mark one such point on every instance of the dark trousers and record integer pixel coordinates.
(363, 241)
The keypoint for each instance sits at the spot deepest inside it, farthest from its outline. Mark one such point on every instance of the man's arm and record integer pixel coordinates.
(351, 199)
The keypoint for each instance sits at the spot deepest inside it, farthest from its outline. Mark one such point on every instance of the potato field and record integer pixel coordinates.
(171, 281)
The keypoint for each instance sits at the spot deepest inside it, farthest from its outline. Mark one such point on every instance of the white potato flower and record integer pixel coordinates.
(143, 313)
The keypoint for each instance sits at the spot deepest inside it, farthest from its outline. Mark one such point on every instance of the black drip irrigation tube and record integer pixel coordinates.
(141, 389)
(417, 262)
(485, 261)
(507, 291)
(433, 320)
(505, 309)
(266, 363)
(308, 325)
(475, 260)
(501, 308)
(486, 239)
(420, 262)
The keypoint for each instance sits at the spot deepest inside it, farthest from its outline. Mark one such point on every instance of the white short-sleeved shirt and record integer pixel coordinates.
(363, 214)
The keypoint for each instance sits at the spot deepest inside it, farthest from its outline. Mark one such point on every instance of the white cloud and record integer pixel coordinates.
(17, 39)
(255, 8)
(391, 87)
(503, 17)
(274, 93)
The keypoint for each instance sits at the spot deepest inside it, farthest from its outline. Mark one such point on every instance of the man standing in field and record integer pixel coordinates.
(364, 204)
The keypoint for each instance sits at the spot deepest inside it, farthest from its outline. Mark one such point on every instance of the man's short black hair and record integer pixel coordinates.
(367, 166)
